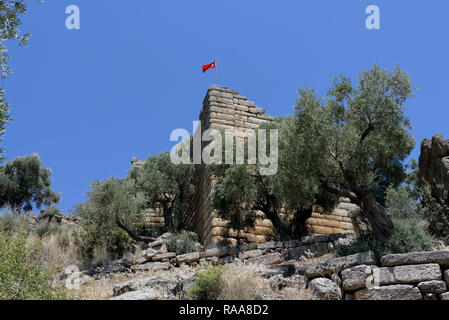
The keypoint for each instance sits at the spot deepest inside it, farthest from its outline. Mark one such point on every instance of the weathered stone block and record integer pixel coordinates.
(440, 257)
(355, 278)
(296, 281)
(163, 256)
(444, 296)
(268, 259)
(269, 245)
(123, 287)
(151, 266)
(138, 295)
(417, 273)
(325, 289)
(433, 286)
(277, 282)
(393, 292)
(250, 254)
(188, 257)
(337, 265)
(317, 249)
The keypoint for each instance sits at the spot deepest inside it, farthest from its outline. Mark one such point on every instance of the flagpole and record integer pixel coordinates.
(216, 72)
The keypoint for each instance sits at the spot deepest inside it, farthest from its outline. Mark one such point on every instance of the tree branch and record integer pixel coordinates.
(366, 132)
(131, 233)
(340, 191)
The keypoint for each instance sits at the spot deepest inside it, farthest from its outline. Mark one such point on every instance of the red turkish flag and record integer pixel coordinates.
(209, 66)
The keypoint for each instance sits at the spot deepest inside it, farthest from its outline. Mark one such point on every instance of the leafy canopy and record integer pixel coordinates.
(165, 186)
(10, 12)
(107, 201)
(24, 182)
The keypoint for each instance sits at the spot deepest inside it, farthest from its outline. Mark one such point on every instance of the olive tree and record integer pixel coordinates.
(166, 186)
(10, 12)
(351, 143)
(354, 131)
(24, 182)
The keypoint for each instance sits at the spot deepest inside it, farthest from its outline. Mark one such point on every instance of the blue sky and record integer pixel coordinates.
(88, 100)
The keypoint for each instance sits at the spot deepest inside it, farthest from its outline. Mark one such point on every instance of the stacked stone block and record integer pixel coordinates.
(225, 109)
(408, 276)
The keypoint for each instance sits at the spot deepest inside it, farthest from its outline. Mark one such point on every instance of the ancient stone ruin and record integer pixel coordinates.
(225, 109)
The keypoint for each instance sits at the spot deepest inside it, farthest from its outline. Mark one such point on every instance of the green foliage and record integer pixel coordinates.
(180, 243)
(24, 182)
(242, 190)
(400, 202)
(412, 179)
(10, 12)
(435, 208)
(358, 138)
(409, 236)
(44, 229)
(409, 233)
(351, 143)
(23, 274)
(208, 284)
(9, 221)
(165, 186)
(105, 202)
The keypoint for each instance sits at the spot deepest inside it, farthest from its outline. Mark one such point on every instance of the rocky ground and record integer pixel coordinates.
(292, 270)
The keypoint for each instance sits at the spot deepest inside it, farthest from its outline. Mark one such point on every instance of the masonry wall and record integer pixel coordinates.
(226, 109)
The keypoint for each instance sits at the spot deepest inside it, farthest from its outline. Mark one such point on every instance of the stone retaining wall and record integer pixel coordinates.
(408, 276)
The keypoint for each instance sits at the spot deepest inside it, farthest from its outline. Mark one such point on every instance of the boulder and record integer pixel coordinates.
(440, 257)
(433, 286)
(277, 282)
(337, 265)
(434, 161)
(355, 278)
(188, 257)
(393, 292)
(124, 287)
(325, 289)
(138, 295)
(296, 281)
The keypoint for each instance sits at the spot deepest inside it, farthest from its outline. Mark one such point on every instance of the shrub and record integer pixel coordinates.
(400, 203)
(9, 221)
(409, 236)
(180, 243)
(208, 284)
(108, 200)
(23, 273)
(239, 283)
(435, 208)
(409, 233)
(44, 229)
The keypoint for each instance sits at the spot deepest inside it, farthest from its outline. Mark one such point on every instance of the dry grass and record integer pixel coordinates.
(240, 283)
(101, 288)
